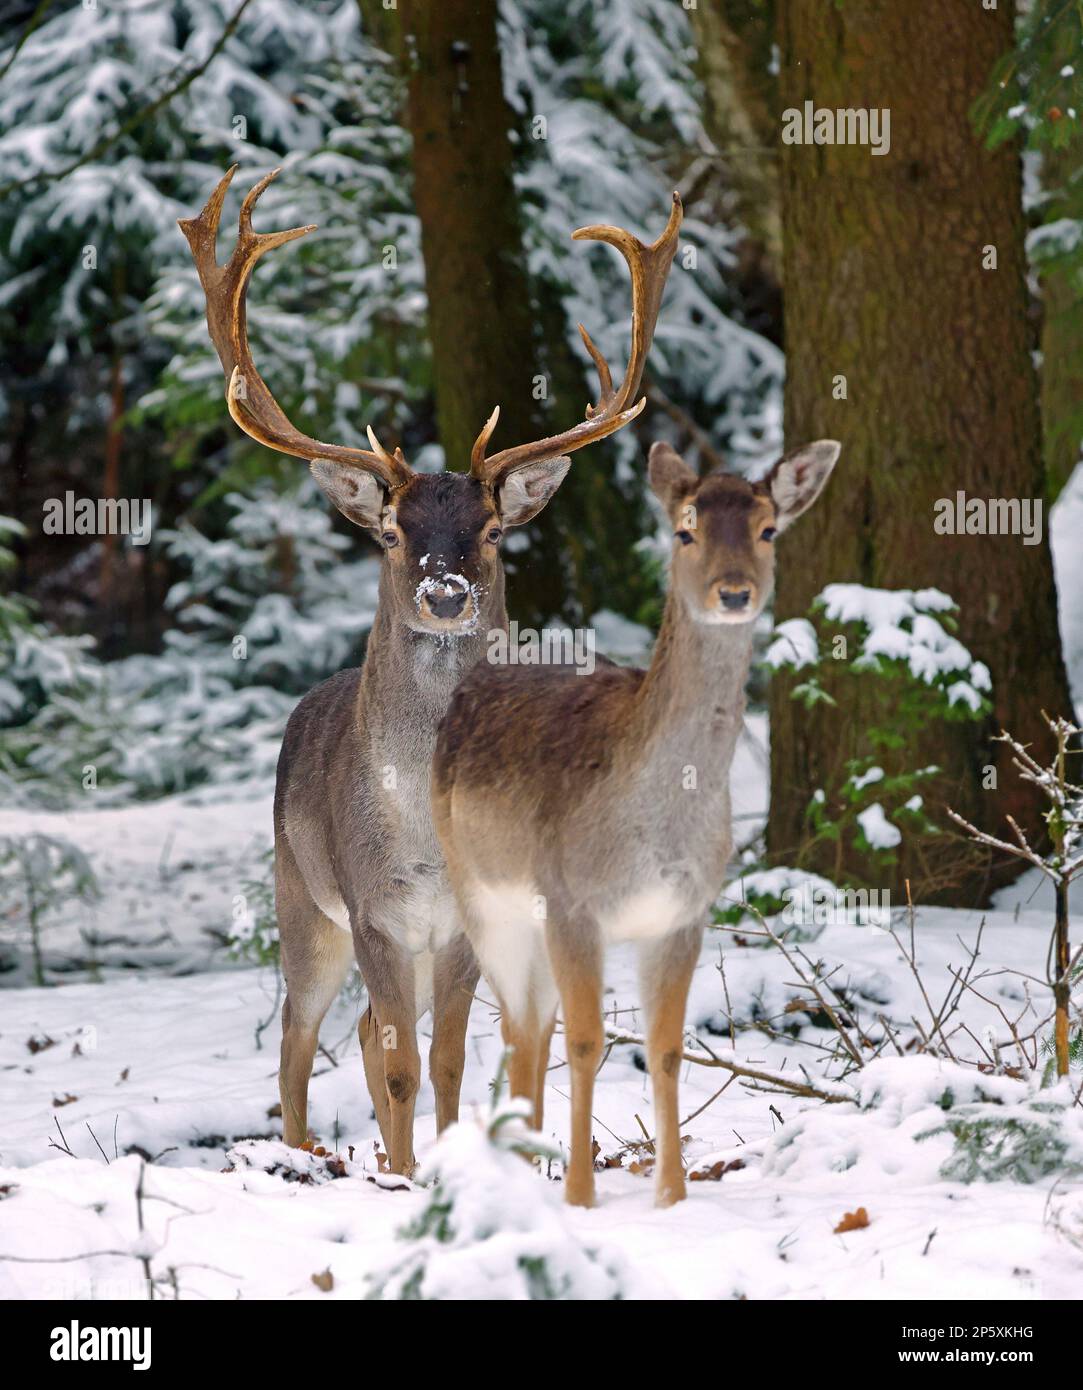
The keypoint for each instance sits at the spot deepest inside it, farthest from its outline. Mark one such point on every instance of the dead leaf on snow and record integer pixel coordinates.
(716, 1171)
(853, 1221)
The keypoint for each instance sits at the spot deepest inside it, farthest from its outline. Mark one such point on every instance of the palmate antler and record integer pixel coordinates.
(257, 412)
(247, 394)
(649, 266)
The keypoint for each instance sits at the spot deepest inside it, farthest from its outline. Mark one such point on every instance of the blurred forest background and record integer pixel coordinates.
(446, 151)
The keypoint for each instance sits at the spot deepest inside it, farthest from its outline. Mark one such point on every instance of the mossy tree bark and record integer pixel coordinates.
(885, 288)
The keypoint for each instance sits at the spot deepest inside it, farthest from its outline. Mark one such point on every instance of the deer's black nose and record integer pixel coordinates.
(735, 599)
(448, 601)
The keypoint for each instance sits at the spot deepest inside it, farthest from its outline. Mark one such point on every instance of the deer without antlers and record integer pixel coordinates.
(358, 871)
(596, 809)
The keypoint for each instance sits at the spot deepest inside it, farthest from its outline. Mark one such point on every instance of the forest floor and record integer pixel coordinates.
(159, 1077)
(139, 1140)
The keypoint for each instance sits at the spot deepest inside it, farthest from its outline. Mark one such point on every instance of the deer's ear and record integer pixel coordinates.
(525, 492)
(797, 480)
(670, 477)
(357, 494)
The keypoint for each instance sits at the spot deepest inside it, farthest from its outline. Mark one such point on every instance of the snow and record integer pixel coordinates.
(877, 829)
(1065, 529)
(795, 644)
(164, 1069)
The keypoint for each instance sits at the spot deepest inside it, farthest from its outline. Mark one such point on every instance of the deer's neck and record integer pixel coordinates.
(691, 703)
(411, 675)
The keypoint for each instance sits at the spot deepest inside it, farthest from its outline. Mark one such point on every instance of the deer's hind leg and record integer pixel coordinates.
(315, 958)
(665, 973)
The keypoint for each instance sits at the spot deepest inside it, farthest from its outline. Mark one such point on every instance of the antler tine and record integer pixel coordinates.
(248, 397)
(649, 267)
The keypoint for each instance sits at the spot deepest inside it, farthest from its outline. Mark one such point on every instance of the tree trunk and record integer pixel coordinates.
(885, 287)
(484, 318)
(732, 59)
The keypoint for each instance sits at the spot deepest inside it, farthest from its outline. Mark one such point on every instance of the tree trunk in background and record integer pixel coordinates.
(484, 320)
(492, 337)
(885, 285)
(114, 436)
(733, 42)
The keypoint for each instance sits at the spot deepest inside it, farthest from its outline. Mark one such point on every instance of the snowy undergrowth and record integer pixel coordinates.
(167, 1069)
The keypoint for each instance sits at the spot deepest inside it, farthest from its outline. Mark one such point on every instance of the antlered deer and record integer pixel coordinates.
(579, 810)
(358, 871)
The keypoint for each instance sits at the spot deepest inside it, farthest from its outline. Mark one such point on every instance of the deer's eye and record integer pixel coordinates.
(494, 535)
(390, 539)
(685, 537)
(768, 533)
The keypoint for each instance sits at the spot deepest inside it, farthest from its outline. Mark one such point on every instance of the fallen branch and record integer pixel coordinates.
(833, 1093)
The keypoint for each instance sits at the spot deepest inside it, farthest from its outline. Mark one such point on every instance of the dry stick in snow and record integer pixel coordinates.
(810, 984)
(1064, 818)
(808, 1090)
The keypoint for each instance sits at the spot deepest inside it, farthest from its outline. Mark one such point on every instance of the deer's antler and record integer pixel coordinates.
(649, 266)
(247, 394)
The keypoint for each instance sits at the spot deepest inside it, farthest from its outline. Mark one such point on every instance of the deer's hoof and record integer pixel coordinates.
(670, 1193)
(579, 1194)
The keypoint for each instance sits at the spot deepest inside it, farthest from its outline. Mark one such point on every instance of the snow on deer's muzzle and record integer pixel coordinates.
(447, 602)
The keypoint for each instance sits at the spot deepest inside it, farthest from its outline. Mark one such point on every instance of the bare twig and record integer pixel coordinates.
(832, 1092)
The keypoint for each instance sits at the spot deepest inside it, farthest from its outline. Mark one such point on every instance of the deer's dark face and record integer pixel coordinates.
(724, 527)
(441, 537)
(440, 533)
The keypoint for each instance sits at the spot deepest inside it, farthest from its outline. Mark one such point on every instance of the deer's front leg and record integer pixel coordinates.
(665, 973)
(576, 959)
(388, 972)
(454, 979)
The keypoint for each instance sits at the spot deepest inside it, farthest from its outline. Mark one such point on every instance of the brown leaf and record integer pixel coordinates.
(67, 1099)
(39, 1044)
(123, 1075)
(798, 1006)
(325, 1281)
(853, 1221)
(336, 1167)
(715, 1172)
(382, 1165)
(307, 1146)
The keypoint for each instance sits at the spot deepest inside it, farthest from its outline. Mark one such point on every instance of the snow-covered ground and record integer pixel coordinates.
(166, 1071)
(152, 1079)
(139, 1136)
